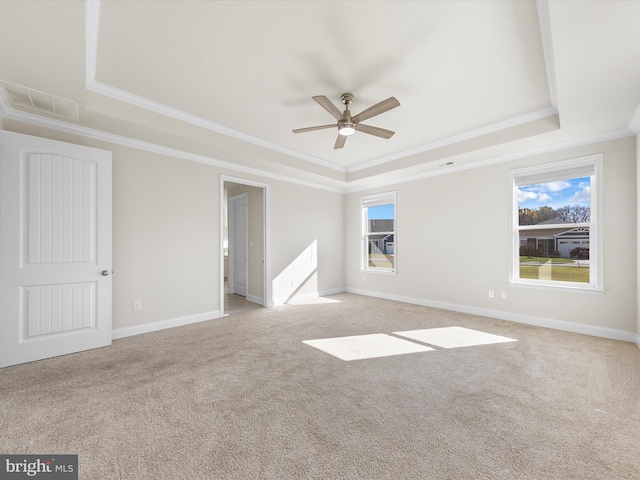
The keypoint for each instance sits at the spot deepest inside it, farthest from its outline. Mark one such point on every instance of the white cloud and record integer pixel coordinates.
(582, 196)
(555, 186)
(523, 195)
(538, 197)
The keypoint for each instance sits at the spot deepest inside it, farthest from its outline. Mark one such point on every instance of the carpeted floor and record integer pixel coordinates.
(244, 397)
(236, 303)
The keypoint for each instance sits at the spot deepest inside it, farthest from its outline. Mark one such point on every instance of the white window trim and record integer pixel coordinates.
(364, 263)
(596, 230)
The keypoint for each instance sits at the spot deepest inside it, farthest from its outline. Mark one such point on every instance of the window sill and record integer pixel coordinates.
(378, 271)
(558, 288)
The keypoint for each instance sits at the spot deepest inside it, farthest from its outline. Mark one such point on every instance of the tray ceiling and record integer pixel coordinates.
(228, 81)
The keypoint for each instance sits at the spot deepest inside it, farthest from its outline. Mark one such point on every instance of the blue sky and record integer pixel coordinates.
(381, 212)
(575, 191)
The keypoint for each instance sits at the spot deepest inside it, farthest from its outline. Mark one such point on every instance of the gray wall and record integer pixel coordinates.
(166, 233)
(452, 240)
(452, 246)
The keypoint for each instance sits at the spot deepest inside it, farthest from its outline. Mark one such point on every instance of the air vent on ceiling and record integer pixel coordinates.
(19, 96)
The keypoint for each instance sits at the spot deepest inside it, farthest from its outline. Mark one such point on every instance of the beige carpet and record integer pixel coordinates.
(235, 303)
(244, 397)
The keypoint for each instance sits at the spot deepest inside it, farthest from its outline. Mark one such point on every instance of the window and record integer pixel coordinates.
(556, 239)
(378, 232)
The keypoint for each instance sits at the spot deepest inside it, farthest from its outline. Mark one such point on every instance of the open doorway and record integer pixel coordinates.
(243, 222)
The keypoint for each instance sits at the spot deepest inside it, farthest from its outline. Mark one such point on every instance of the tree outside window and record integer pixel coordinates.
(555, 237)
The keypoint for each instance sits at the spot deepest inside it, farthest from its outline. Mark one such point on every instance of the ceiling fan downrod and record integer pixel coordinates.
(345, 126)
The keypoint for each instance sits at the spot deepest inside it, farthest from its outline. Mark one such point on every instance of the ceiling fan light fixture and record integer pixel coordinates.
(347, 129)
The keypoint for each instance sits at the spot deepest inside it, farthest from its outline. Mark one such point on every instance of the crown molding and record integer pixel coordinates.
(182, 116)
(634, 123)
(92, 25)
(91, 30)
(544, 21)
(496, 127)
(605, 137)
(7, 112)
(92, 17)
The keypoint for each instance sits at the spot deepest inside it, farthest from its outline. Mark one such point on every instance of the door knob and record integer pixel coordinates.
(105, 273)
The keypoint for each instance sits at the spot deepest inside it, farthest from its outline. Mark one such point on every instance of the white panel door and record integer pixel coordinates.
(55, 248)
(238, 240)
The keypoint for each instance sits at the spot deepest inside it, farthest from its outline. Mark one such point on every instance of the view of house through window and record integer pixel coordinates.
(378, 227)
(555, 215)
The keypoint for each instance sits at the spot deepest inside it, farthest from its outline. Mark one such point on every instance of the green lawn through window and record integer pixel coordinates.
(555, 273)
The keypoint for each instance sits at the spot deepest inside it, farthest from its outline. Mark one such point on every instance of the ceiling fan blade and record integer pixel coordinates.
(378, 132)
(376, 109)
(340, 141)
(328, 105)
(311, 129)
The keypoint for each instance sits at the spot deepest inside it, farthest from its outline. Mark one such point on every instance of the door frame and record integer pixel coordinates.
(266, 293)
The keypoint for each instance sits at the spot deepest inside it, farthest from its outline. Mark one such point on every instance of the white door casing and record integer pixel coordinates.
(224, 236)
(55, 248)
(238, 244)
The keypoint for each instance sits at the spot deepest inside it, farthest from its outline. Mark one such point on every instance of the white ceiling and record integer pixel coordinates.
(225, 82)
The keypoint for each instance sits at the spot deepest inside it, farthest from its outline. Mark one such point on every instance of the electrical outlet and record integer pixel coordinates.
(491, 295)
(137, 305)
(504, 295)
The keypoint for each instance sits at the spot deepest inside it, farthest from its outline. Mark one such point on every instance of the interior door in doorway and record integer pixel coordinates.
(238, 244)
(55, 248)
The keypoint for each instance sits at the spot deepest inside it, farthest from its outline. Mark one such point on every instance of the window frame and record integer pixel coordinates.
(596, 260)
(364, 233)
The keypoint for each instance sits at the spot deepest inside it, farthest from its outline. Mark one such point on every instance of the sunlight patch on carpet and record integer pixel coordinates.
(454, 337)
(359, 347)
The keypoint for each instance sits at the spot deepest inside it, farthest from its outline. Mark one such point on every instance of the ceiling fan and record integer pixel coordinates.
(348, 125)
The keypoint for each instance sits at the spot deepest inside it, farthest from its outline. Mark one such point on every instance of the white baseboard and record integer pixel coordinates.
(254, 299)
(324, 293)
(604, 332)
(332, 291)
(596, 331)
(163, 324)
